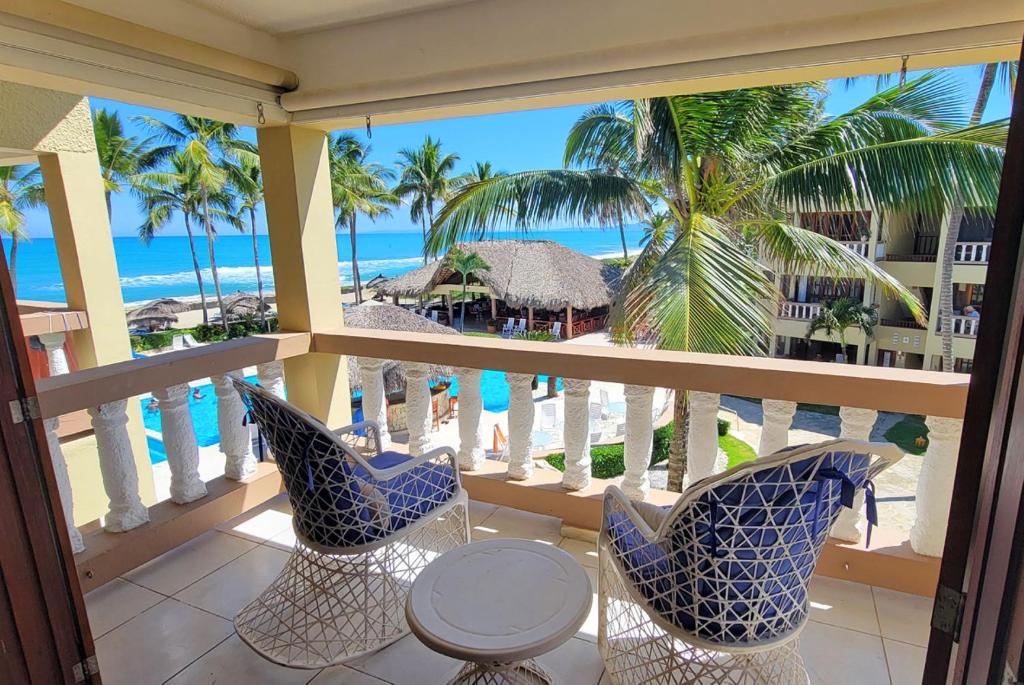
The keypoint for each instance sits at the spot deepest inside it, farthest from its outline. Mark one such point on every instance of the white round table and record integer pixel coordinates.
(497, 604)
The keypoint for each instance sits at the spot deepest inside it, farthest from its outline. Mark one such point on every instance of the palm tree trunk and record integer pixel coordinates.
(956, 215)
(213, 260)
(423, 218)
(622, 234)
(462, 314)
(110, 210)
(259, 275)
(195, 265)
(678, 444)
(988, 79)
(356, 281)
(14, 261)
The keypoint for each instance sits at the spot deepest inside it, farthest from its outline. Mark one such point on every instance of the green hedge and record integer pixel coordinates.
(202, 333)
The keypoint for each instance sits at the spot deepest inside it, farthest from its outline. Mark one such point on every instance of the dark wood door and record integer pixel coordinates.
(976, 607)
(44, 633)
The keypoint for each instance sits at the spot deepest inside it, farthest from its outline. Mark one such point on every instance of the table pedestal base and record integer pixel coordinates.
(521, 673)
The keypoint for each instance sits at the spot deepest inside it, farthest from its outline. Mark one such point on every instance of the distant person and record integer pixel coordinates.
(197, 394)
(153, 406)
(972, 312)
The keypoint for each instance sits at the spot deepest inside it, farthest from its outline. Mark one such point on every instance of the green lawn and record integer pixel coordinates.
(819, 408)
(736, 450)
(482, 334)
(906, 431)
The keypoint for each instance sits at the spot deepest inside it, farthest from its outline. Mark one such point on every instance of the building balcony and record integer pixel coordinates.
(972, 253)
(800, 311)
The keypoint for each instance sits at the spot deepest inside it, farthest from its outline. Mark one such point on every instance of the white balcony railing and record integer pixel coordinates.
(858, 246)
(972, 253)
(801, 311)
(966, 326)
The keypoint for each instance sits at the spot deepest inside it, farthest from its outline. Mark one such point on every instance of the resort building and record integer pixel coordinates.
(910, 249)
(147, 532)
(537, 280)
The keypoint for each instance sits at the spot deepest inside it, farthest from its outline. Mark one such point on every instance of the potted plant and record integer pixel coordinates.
(492, 325)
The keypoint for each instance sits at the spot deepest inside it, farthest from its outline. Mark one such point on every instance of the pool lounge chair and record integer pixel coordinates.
(520, 327)
(507, 329)
(433, 315)
(714, 588)
(556, 330)
(184, 342)
(365, 527)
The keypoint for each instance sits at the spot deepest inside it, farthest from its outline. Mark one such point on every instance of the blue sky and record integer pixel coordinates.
(511, 142)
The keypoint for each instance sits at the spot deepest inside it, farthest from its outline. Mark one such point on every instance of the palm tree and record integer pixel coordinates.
(121, 157)
(248, 184)
(214, 149)
(20, 189)
(730, 168)
(836, 316)
(425, 179)
(465, 263)
(358, 186)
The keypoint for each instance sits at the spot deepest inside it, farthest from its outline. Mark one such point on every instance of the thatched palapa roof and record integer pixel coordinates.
(241, 304)
(156, 314)
(388, 317)
(377, 281)
(531, 273)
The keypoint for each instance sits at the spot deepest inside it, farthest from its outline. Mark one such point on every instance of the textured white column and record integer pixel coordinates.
(576, 433)
(702, 449)
(235, 441)
(117, 467)
(375, 406)
(180, 444)
(520, 425)
(856, 424)
(56, 357)
(471, 450)
(636, 482)
(935, 485)
(271, 377)
(778, 415)
(417, 407)
(60, 473)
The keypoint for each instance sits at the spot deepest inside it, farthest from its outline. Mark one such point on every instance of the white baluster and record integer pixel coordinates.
(117, 467)
(471, 451)
(179, 439)
(778, 416)
(235, 440)
(935, 485)
(639, 440)
(856, 424)
(271, 377)
(576, 434)
(702, 447)
(520, 425)
(375, 406)
(60, 473)
(56, 357)
(417, 407)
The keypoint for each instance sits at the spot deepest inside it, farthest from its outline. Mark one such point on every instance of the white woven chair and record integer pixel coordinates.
(714, 589)
(365, 527)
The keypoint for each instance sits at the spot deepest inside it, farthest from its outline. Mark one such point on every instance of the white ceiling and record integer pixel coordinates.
(288, 16)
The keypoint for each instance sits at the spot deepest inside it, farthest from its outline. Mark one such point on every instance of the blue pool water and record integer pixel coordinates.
(493, 389)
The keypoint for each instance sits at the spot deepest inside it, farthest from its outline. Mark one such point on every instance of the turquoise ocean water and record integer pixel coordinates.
(164, 267)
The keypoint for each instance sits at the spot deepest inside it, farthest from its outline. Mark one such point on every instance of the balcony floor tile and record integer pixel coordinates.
(843, 604)
(906, 662)
(179, 568)
(903, 617)
(837, 656)
(513, 523)
(116, 602)
(225, 591)
(232, 662)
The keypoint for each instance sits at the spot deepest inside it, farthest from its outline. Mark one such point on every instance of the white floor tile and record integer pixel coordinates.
(906, 662)
(343, 675)
(262, 523)
(583, 552)
(903, 616)
(513, 523)
(577, 662)
(479, 511)
(837, 656)
(114, 603)
(843, 604)
(588, 631)
(232, 662)
(407, 662)
(158, 643)
(184, 565)
(225, 591)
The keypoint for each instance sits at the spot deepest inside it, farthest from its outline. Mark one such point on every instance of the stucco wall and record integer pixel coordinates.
(35, 119)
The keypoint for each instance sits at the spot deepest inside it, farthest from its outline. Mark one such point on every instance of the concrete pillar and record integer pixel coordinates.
(778, 415)
(520, 425)
(417, 407)
(935, 485)
(639, 440)
(576, 434)
(300, 222)
(180, 444)
(471, 451)
(568, 322)
(60, 473)
(56, 357)
(271, 378)
(117, 467)
(529, 318)
(702, 449)
(375, 407)
(494, 308)
(856, 424)
(235, 440)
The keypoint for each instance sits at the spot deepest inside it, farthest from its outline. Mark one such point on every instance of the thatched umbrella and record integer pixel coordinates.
(388, 317)
(162, 307)
(243, 304)
(377, 281)
(151, 320)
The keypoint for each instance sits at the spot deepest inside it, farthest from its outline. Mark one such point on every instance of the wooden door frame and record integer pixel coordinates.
(42, 611)
(982, 554)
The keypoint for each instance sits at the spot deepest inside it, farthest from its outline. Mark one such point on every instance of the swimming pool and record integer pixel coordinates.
(493, 388)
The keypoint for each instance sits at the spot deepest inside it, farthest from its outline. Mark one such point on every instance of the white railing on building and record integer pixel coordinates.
(879, 250)
(971, 253)
(858, 246)
(966, 326)
(802, 311)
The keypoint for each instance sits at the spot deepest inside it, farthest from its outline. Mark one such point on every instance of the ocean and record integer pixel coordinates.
(164, 267)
